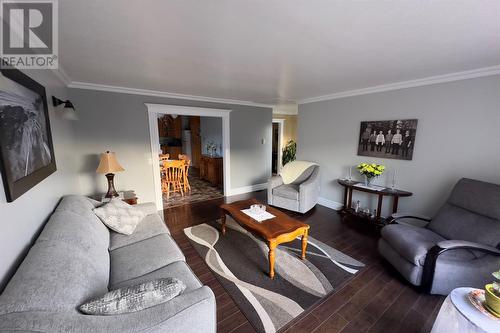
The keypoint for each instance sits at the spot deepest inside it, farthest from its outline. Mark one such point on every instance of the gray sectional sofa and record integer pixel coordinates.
(76, 258)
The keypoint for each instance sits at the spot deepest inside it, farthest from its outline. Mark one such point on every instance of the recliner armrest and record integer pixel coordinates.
(442, 247)
(399, 216)
(461, 244)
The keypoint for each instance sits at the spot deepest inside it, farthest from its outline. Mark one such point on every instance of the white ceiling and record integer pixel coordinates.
(273, 51)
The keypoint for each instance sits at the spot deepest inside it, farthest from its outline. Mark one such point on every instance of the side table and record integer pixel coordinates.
(458, 315)
(131, 201)
(381, 192)
(128, 197)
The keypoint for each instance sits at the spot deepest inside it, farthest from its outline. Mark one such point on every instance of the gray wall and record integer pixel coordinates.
(457, 136)
(119, 122)
(22, 219)
(211, 131)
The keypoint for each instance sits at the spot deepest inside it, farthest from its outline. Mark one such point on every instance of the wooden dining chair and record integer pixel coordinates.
(164, 157)
(187, 162)
(172, 177)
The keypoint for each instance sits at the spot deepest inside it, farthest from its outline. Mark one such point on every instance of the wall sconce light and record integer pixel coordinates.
(66, 107)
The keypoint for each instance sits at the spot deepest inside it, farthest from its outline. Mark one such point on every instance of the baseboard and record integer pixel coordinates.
(247, 189)
(330, 203)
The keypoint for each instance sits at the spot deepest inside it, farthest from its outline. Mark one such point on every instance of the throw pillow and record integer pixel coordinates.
(120, 216)
(134, 298)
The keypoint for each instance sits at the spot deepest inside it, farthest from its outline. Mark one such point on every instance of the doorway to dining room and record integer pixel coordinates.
(190, 153)
(277, 146)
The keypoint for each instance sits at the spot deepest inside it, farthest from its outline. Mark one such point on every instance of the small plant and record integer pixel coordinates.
(496, 284)
(289, 152)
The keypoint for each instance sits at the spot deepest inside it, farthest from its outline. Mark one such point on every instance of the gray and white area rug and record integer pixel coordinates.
(240, 262)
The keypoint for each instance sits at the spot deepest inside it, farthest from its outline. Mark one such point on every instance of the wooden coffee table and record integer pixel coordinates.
(280, 229)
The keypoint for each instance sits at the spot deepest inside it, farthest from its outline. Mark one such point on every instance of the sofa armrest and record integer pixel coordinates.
(174, 316)
(309, 192)
(460, 244)
(442, 247)
(273, 182)
(400, 216)
(148, 208)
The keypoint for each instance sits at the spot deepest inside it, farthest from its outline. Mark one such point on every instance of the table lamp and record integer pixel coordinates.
(109, 165)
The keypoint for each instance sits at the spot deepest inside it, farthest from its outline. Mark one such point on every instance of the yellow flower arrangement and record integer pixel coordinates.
(371, 170)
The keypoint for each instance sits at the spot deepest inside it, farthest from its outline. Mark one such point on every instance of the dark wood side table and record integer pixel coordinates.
(128, 197)
(350, 186)
(131, 201)
(211, 169)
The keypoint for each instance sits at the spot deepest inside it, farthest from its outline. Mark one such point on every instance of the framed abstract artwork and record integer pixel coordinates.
(26, 149)
(388, 138)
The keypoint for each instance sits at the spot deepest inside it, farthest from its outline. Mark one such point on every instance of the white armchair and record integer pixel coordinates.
(299, 196)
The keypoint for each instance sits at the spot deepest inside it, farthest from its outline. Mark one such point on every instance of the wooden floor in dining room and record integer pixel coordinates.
(376, 299)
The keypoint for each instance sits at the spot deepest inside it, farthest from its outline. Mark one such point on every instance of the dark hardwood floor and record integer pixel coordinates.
(377, 299)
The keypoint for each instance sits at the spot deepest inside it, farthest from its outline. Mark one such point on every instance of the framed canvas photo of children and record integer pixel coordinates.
(388, 138)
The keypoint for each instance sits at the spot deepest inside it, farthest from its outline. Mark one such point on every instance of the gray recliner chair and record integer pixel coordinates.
(458, 248)
(300, 196)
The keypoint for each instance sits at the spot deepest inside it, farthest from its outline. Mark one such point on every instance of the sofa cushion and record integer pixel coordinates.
(120, 216)
(147, 207)
(77, 204)
(150, 226)
(86, 231)
(134, 298)
(55, 276)
(477, 197)
(134, 260)
(410, 242)
(288, 191)
(456, 223)
(179, 270)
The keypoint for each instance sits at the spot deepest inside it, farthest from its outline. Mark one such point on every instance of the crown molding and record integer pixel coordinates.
(156, 93)
(471, 74)
(457, 76)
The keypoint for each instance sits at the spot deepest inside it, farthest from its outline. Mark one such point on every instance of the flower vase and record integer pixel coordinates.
(368, 181)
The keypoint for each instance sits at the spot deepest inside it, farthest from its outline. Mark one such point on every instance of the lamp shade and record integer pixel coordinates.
(108, 163)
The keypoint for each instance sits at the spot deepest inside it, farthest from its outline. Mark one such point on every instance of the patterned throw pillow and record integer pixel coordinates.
(120, 216)
(135, 298)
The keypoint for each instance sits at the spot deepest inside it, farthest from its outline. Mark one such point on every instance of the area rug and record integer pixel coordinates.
(201, 190)
(240, 263)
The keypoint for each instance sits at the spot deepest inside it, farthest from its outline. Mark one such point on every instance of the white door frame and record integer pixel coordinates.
(281, 123)
(155, 109)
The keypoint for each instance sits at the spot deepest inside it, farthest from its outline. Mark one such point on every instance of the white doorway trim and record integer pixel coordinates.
(281, 123)
(155, 109)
